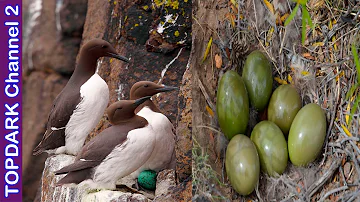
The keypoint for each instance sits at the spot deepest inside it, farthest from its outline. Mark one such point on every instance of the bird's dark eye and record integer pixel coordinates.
(146, 85)
(103, 46)
(120, 108)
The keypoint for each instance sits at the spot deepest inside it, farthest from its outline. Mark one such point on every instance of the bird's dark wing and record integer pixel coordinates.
(76, 166)
(63, 107)
(96, 150)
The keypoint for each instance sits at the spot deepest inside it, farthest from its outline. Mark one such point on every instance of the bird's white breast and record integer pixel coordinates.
(165, 141)
(127, 157)
(94, 100)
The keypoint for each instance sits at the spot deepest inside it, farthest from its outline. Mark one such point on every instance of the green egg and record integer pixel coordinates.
(307, 134)
(271, 146)
(232, 104)
(147, 179)
(284, 104)
(242, 164)
(257, 74)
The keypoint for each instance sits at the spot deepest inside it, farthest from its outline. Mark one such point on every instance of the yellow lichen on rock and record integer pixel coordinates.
(176, 33)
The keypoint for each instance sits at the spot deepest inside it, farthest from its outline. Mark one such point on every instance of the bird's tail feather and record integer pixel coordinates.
(40, 147)
(75, 177)
(47, 143)
(37, 151)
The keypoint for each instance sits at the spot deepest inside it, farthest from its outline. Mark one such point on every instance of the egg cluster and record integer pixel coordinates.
(289, 131)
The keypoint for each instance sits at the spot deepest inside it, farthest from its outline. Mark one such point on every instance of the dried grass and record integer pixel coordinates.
(323, 70)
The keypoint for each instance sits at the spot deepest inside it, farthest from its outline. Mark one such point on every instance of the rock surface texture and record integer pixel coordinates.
(158, 48)
(51, 37)
(50, 192)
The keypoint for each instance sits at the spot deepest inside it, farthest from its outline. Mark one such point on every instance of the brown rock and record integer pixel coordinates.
(50, 192)
(52, 34)
(208, 76)
(96, 21)
(72, 18)
(138, 24)
(183, 131)
(180, 192)
(81, 192)
(53, 43)
(103, 21)
(171, 28)
(164, 180)
(39, 91)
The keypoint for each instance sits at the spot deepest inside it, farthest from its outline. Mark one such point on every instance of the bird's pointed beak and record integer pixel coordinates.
(166, 88)
(141, 100)
(119, 57)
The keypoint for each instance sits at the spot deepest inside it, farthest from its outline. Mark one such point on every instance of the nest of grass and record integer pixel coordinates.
(324, 71)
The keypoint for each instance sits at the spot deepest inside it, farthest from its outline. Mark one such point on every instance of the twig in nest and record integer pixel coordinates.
(255, 18)
(350, 196)
(331, 64)
(287, 198)
(333, 191)
(272, 59)
(292, 185)
(258, 193)
(207, 97)
(331, 125)
(321, 181)
(345, 136)
(282, 42)
(210, 128)
(342, 175)
(355, 161)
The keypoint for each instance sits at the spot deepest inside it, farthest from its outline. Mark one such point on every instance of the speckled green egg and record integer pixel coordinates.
(271, 146)
(232, 104)
(242, 164)
(147, 179)
(257, 74)
(307, 134)
(285, 102)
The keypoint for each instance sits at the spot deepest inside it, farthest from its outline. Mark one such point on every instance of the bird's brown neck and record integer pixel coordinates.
(134, 122)
(85, 68)
(149, 104)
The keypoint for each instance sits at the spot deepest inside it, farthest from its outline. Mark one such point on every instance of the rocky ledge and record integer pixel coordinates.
(125, 192)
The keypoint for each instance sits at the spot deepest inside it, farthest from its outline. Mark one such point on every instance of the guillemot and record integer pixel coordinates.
(114, 153)
(80, 105)
(163, 156)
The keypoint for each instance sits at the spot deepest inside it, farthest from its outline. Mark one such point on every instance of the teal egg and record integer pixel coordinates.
(147, 179)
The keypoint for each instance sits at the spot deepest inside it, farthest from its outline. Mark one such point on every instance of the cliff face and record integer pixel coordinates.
(158, 47)
(52, 35)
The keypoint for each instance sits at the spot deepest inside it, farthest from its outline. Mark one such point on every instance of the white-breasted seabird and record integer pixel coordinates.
(114, 153)
(163, 156)
(80, 105)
